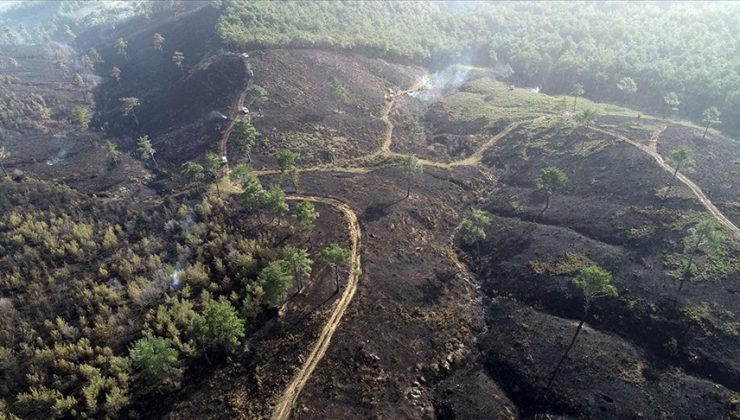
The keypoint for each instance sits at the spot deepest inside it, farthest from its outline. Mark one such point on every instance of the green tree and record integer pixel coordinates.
(586, 117)
(247, 135)
(709, 116)
(218, 327)
(550, 179)
(178, 58)
(704, 237)
(681, 158)
(507, 71)
(672, 101)
(128, 107)
(80, 117)
(627, 85)
(156, 356)
(340, 93)
(299, 263)
(240, 172)
(213, 168)
(306, 215)
(253, 194)
(146, 150)
(474, 226)
(78, 81)
(87, 63)
(95, 56)
(493, 56)
(275, 201)
(68, 34)
(286, 161)
(593, 282)
(158, 41)
(120, 47)
(412, 126)
(575, 92)
(411, 168)
(335, 256)
(257, 96)
(193, 171)
(10, 35)
(275, 280)
(4, 155)
(115, 73)
(111, 150)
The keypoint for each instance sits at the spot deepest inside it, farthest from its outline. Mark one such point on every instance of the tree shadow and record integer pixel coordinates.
(378, 211)
(314, 309)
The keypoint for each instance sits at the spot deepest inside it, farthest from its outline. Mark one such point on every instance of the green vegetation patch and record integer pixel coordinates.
(711, 316)
(490, 100)
(568, 264)
(643, 231)
(550, 44)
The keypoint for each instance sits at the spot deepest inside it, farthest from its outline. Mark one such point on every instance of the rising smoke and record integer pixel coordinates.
(61, 154)
(442, 82)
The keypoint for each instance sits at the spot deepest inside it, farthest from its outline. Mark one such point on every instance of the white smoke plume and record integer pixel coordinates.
(443, 82)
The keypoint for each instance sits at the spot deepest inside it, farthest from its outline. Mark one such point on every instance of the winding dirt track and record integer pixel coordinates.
(652, 150)
(222, 149)
(290, 395)
(386, 118)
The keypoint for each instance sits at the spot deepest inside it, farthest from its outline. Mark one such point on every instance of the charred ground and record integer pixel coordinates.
(425, 336)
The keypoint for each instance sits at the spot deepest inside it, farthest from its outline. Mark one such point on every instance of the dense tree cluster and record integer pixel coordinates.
(104, 302)
(38, 22)
(634, 53)
(16, 110)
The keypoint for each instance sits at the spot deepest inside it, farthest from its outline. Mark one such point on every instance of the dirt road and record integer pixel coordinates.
(234, 117)
(289, 397)
(389, 107)
(652, 150)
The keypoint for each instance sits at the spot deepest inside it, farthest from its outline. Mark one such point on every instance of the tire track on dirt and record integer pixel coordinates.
(290, 395)
(652, 150)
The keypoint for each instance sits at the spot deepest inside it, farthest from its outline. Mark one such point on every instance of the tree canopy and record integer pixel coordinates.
(682, 159)
(610, 48)
(593, 282)
(551, 179)
(275, 279)
(155, 355)
(306, 215)
(474, 225)
(219, 327)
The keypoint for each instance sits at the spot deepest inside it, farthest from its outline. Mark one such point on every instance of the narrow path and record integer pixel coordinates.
(476, 157)
(287, 400)
(652, 150)
(223, 142)
(389, 107)
(289, 397)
